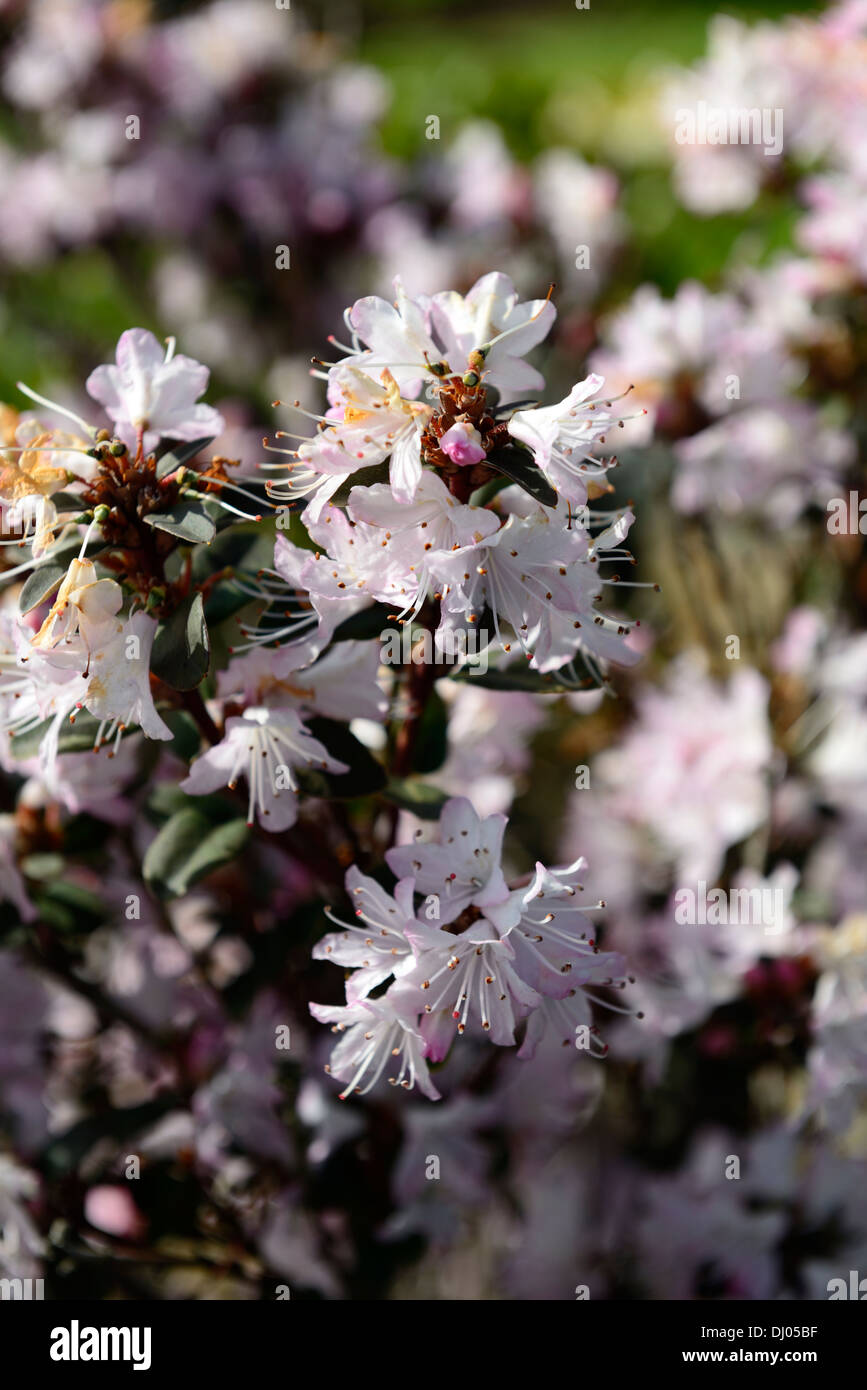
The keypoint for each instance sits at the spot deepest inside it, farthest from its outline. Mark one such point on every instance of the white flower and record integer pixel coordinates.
(540, 576)
(376, 424)
(378, 949)
(464, 976)
(84, 604)
(119, 689)
(376, 1031)
(462, 867)
(341, 684)
(264, 745)
(153, 392)
(490, 314)
(561, 437)
(398, 338)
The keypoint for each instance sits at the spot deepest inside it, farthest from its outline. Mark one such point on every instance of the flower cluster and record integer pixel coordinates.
(437, 498)
(494, 957)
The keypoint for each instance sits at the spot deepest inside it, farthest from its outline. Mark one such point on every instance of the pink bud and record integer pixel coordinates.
(463, 444)
(113, 1210)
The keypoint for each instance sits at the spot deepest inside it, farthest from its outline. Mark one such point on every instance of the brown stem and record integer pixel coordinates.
(194, 703)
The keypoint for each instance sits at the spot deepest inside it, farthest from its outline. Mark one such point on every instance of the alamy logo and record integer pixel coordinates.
(24, 1289)
(76, 1343)
(732, 125)
(749, 907)
(856, 1288)
(445, 647)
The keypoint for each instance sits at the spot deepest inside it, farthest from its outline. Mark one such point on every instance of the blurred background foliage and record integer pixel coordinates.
(546, 75)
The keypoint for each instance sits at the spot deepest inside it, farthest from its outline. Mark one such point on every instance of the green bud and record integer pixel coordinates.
(471, 378)
(117, 448)
(101, 514)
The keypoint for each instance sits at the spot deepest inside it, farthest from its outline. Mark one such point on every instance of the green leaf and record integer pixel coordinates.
(68, 501)
(247, 544)
(365, 477)
(187, 739)
(431, 744)
(64, 1152)
(38, 585)
(224, 601)
(188, 847)
(181, 454)
(186, 520)
(182, 648)
(420, 798)
(74, 738)
(366, 624)
(514, 678)
(365, 774)
(68, 907)
(519, 466)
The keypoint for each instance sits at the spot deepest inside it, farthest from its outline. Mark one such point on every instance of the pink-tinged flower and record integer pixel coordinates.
(398, 338)
(491, 317)
(119, 688)
(468, 977)
(377, 947)
(434, 522)
(694, 1223)
(539, 576)
(153, 392)
(85, 605)
(836, 225)
(463, 444)
(462, 866)
(264, 745)
(378, 1034)
(341, 684)
(372, 423)
(562, 436)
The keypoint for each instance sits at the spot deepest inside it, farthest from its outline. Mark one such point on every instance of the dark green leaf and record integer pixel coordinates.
(68, 502)
(246, 543)
(38, 585)
(224, 601)
(366, 624)
(365, 477)
(187, 848)
(187, 740)
(420, 798)
(187, 520)
(515, 678)
(179, 455)
(182, 649)
(74, 738)
(519, 466)
(431, 744)
(68, 907)
(365, 774)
